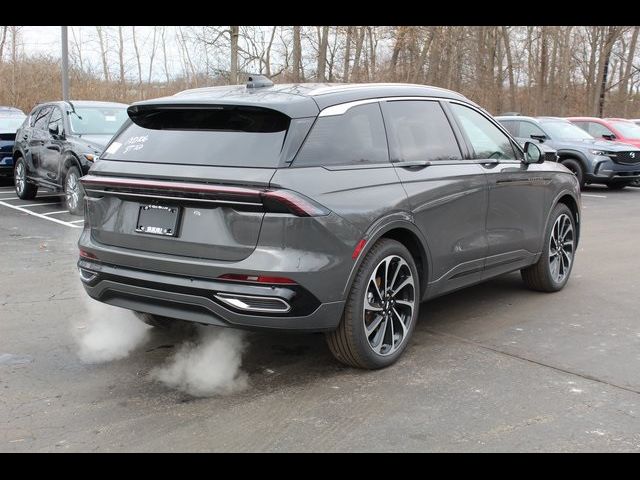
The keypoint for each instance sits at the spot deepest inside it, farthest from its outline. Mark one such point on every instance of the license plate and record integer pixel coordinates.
(158, 220)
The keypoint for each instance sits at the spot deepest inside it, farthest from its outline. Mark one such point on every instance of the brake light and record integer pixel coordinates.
(257, 279)
(85, 254)
(286, 201)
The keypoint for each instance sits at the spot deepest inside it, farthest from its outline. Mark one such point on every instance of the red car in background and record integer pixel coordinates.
(616, 129)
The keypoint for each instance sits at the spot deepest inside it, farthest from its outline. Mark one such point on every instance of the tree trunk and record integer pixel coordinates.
(356, 58)
(297, 55)
(103, 53)
(322, 54)
(512, 82)
(233, 71)
(135, 48)
(347, 55)
(121, 60)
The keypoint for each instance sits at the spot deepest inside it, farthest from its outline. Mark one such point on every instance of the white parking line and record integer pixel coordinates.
(9, 198)
(39, 215)
(55, 213)
(77, 221)
(39, 204)
(592, 195)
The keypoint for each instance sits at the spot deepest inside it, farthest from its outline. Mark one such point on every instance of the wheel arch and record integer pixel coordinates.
(573, 205)
(402, 230)
(567, 154)
(70, 160)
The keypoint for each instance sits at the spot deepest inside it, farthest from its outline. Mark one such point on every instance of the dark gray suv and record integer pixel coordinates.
(333, 208)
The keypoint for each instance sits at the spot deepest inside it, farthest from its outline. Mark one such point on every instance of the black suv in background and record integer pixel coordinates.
(613, 164)
(10, 120)
(58, 144)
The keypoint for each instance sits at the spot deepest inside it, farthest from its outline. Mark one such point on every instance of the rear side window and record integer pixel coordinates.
(356, 137)
(40, 118)
(511, 126)
(486, 139)
(230, 136)
(419, 130)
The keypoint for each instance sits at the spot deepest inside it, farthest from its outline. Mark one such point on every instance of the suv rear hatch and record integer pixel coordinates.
(191, 180)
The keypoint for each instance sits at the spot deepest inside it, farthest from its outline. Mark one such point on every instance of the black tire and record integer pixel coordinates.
(618, 185)
(73, 192)
(576, 169)
(24, 189)
(164, 323)
(540, 276)
(349, 343)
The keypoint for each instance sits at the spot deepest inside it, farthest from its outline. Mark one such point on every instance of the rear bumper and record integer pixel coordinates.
(197, 299)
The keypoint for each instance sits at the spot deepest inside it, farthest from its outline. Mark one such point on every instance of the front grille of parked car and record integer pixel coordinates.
(627, 158)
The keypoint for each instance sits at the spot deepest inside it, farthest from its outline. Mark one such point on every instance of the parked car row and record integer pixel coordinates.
(599, 151)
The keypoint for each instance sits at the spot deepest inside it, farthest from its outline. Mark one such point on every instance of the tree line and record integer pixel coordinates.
(535, 70)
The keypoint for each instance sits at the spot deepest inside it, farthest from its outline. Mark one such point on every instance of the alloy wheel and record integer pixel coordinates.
(389, 305)
(20, 179)
(561, 248)
(72, 191)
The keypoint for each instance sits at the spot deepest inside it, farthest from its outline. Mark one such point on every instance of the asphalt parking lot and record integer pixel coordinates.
(491, 368)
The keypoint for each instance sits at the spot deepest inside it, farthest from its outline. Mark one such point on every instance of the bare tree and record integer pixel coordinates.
(102, 40)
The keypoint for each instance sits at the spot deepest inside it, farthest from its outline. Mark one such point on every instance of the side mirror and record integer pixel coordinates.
(532, 153)
(540, 138)
(608, 136)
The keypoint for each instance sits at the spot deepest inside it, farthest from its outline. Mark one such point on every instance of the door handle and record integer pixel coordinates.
(491, 162)
(416, 164)
(53, 147)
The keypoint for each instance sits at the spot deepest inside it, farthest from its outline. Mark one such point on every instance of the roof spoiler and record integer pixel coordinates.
(258, 81)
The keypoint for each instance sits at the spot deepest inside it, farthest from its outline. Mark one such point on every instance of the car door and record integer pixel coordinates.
(447, 193)
(517, 204)
(37, 139)
(50, 156)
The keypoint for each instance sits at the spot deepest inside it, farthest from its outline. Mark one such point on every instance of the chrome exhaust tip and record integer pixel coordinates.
(252, 303)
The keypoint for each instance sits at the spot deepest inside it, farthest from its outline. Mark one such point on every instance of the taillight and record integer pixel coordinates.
(85, 254)
(257, 279)
(286, 201)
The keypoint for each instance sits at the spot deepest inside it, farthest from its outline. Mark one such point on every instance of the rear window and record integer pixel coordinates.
(232, 136)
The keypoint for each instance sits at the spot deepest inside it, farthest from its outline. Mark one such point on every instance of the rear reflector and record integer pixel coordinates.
(359, 246)
(85, 254)
(257, 279)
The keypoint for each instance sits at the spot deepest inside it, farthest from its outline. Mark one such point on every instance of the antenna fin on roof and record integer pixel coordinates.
(258, 81)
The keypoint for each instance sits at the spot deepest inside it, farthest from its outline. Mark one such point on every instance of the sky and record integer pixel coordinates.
(47, 40)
